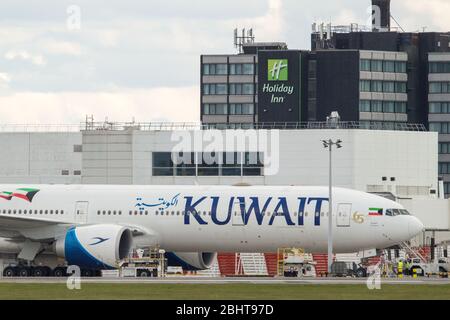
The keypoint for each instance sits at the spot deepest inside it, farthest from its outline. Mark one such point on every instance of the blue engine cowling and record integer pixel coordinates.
(96, 246)
(191, 261)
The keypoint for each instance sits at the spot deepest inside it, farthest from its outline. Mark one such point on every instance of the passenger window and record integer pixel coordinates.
(57, 211)
(14, 211)
(46, 211)
(20, 211)
(62, 211)
(51, 211)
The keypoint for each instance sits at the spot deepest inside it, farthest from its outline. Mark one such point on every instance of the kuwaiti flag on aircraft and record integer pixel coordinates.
(25, 193)
(375, 212)
(6, 195)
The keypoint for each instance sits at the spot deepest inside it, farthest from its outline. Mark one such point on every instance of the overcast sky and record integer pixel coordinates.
(61, 60)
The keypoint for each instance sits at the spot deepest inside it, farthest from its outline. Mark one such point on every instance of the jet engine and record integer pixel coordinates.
(95, 246)
(191, 260)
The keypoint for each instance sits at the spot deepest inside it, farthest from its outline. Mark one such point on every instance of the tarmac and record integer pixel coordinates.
(240, 280)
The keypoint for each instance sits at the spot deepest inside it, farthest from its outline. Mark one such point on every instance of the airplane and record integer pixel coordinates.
(95, 226)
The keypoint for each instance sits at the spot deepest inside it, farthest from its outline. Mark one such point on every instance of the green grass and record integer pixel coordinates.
(221, 291)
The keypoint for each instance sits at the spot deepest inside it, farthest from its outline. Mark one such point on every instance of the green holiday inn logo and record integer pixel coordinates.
(277, 69)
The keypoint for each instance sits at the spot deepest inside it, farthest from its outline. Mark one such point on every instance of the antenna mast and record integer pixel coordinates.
(246, 36)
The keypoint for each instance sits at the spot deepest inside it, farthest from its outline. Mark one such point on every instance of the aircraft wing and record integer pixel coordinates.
(32, 228)
(39, 229)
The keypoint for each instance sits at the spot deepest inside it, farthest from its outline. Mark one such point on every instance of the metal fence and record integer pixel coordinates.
(174, 126)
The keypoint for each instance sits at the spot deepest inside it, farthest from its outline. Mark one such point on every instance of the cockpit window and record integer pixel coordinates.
(404, 212)
(397, 212)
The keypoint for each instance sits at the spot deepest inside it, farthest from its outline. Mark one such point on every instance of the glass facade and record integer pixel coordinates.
(242, 69)
(441, 127)
(444, 147)
(215, 89)
(382, 86)
(383, 66)
(439, 67)
(215, 108)
(215, 69)
(439, 87)
(242, 89)
(439, 107)
(382, 106)
(242, 108)
(207, 164)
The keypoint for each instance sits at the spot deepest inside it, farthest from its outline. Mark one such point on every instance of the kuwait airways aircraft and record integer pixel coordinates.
(96, 226)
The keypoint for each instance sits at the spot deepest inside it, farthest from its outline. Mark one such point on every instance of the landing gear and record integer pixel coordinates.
(59, 272)
(10, 272)
(24, 272)
(39, 272)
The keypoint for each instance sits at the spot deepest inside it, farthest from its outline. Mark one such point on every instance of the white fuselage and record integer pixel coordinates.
(221, 218)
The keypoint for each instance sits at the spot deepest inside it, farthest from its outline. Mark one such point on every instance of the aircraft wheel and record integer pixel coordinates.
(10, 272)
(59, 272)
(87, 273)
(24, 272)
(38, 272)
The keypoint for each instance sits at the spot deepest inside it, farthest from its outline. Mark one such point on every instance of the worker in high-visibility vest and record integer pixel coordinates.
(400, 269)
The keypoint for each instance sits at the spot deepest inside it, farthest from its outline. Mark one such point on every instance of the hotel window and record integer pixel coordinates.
(377, 106)
(242, 88)
(389, 86)
(242, 69)
(400, 67)
(376, 86)
(364, 86)
(400, 107)
(242, 108)
(389, 106)
(444, 168)
(215, 89)
(215, 69)
(439, 107)
(364, 106)
(439, 67)
(400, 87)
(389, 66)
(440, 87)
(376, 66)
(213, 109)
(444, 148)
(441, 127)
(364, 65)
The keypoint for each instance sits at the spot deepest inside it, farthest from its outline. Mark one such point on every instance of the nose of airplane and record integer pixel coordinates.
(415, 227)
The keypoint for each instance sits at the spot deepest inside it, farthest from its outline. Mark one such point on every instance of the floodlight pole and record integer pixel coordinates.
(329, 144)
(330, 210)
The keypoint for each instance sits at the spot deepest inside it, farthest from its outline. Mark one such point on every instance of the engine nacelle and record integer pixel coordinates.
(96, 246)
(191, 260)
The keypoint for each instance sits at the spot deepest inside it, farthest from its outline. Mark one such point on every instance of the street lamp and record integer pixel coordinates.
(328, 144)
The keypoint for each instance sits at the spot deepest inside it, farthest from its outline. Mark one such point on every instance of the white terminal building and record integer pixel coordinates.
(401, 164)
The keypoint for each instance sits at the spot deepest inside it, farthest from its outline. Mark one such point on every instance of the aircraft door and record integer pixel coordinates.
(81, 212)
(343, 214)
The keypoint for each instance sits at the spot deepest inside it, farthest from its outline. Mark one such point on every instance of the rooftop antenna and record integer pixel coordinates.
(246, 36)
(398, 24)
